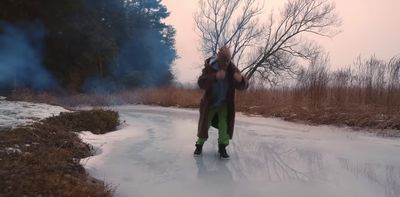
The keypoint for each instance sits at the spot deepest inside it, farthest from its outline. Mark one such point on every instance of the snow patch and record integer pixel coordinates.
(17, 113)
(12, 150)
(103, 144)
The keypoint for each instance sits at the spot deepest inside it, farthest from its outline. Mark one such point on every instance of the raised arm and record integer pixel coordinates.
(243, 83)
(207, 77)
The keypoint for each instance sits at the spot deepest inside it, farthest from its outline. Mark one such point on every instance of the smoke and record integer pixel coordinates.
(21, 52)
(146, 59)
(143, 61)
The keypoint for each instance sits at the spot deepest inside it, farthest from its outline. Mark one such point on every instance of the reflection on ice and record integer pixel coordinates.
(269, 157)
(217, 171)
(273, 161)
(386, 176)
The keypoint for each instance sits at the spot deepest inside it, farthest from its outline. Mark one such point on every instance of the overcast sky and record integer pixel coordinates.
(370, 27)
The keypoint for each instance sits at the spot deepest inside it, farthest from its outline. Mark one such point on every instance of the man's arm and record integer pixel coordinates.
(207, 77)
(243, 83)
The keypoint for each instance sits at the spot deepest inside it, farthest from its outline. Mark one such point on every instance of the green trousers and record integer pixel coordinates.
(222, 112)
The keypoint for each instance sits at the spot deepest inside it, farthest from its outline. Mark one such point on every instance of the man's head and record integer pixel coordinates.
(224, 57)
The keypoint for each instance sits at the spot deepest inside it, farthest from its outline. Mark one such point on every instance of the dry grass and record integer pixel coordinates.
(71, 100)
(343, 106)
(295, 104)
(166, 96)
(97, 121)
(43, 159)
(366, 95)
(171, 96)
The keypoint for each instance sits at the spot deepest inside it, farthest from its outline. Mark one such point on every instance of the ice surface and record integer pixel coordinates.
(152, 156)
(14, 113)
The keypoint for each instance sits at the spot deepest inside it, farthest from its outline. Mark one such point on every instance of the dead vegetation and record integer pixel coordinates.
(43, 158)
(366, 95)
(165, 96)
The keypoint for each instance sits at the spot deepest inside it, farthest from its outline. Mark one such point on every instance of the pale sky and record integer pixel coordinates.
(369, 27)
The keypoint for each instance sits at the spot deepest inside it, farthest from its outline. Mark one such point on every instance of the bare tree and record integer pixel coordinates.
(232, 23)
(284, 43)
(271, 50)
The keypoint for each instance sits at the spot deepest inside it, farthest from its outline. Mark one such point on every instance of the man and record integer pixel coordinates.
(219, 79)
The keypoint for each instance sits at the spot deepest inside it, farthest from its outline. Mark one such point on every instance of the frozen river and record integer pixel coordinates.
(152, 155)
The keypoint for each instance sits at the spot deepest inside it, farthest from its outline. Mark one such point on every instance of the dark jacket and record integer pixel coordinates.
(205, 82)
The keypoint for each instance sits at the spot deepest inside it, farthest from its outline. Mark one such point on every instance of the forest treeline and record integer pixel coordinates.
(85, 45)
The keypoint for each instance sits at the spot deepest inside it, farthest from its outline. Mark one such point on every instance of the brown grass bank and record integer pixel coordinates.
(342, 107)
(359, 108)
(365, 95)
(165, 96)
(43, 159)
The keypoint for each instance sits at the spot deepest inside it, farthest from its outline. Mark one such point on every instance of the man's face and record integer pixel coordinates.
(224, 56)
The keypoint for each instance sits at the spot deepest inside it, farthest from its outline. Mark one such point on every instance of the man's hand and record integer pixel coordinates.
(220, 74)
(238, 77)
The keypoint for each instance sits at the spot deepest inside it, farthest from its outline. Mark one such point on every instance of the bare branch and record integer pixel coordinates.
(232, 23)
(316, 17)
(270, 50)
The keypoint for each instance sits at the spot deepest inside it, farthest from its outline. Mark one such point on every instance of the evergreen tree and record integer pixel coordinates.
(104, 41)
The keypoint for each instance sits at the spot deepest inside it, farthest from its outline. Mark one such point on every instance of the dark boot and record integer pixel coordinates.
(199, 149)
(222, 151)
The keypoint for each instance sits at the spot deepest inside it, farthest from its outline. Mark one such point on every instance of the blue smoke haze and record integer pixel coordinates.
(152, 70)
(142, 62)
(21, 52)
